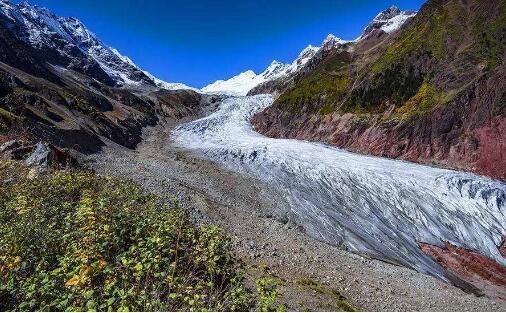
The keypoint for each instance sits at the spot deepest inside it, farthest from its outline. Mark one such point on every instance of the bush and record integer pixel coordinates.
(269, 294)
(74, 241)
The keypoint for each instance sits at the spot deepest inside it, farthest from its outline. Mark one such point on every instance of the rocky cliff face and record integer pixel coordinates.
(433, 92)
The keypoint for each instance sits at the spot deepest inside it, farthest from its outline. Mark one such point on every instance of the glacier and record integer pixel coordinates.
(373, 206)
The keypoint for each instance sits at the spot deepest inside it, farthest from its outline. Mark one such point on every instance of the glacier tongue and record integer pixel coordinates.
(374, 206)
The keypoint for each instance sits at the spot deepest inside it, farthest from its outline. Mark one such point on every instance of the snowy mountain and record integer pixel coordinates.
(70, 44)
(244, 82)
(332, 42)
(388, 21)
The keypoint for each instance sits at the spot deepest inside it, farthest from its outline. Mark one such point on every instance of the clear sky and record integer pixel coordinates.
(197, 42)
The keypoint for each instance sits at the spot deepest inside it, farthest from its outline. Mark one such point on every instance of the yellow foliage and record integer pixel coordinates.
(82, 278)
(22, 205)
(8, 264)
(425, 100)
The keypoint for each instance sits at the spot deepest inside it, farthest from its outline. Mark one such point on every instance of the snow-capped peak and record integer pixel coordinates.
(389, 20)
(308, 51)
(244, 82)
(237, 85)
(332, 42)
(80, 35)
(275, 69)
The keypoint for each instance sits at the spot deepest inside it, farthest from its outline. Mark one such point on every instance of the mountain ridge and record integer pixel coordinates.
(388, 20)
(73, 42)
(61, 85)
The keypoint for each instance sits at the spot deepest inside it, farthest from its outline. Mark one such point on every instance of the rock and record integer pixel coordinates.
(33, 173)
(40, 157)
(8, 181)
(9, 145)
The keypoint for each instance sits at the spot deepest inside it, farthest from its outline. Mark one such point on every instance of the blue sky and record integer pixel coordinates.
(197, 42)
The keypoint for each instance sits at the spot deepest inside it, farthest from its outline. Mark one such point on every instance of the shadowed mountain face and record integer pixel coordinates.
(59, 83)
(432, 92)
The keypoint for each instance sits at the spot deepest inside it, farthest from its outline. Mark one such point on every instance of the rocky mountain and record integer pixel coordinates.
(431, 92)
(70, 44)
(60, 84)
(388, 21)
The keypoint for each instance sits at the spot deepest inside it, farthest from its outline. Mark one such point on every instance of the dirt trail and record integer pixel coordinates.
(316, 276)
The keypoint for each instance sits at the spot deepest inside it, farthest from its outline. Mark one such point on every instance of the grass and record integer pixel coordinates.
(311, 284)
(6, 119)
(341, 302)
(75, 241)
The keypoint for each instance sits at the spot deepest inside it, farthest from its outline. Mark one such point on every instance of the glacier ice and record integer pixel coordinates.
(374, 206)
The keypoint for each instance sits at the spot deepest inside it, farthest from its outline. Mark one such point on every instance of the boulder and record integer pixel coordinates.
(40, 157)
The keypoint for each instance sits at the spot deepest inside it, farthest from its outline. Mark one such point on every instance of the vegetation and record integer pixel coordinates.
(341, 303)
(6, 119)
(74, 241)
(269, 294)
(320, 91)
(399, 73)
(492, 36)
(443, 51)
(423, 102)
(311, 284)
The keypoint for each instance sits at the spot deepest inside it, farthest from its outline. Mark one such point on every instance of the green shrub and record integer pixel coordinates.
(269, 294)
(423, 102)
(74, 241)
(320, 91)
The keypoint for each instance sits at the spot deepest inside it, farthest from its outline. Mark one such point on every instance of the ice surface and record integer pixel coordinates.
(369, 205)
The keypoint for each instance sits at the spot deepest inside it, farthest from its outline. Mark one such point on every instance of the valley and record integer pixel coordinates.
(311, 271)
(365, 174)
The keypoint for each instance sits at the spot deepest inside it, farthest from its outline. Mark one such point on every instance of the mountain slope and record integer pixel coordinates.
(52, 87)
(70, 44)
(386, 22)
(434, 92)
